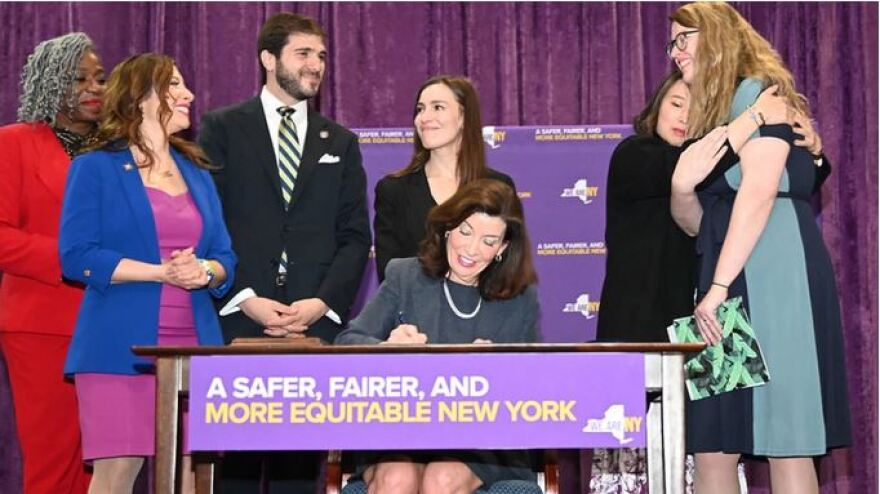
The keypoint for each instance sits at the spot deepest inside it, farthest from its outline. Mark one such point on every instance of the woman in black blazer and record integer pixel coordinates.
(449, 152)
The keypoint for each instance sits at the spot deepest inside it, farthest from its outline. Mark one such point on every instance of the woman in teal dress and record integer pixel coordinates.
(758, 239)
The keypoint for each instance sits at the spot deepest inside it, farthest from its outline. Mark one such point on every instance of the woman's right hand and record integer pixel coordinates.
(183, 270)
(407, 334)
(698, 160)
(774, 109)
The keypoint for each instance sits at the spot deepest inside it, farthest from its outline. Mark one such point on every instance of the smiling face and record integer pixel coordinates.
(86, 94)
(439, 118)
(673, 114)
(685, 59)
(179, 98)
(473, 245)
(299, 70)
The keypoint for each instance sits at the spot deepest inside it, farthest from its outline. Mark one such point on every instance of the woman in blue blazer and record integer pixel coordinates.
(142, 228)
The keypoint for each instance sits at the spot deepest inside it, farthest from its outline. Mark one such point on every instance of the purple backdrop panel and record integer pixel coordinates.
(560, 173)
(443, 401)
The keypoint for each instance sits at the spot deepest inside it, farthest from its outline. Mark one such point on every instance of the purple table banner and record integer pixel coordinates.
(560, 173)
(428, 401)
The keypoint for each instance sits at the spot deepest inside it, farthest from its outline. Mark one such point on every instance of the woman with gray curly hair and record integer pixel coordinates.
(62, 85)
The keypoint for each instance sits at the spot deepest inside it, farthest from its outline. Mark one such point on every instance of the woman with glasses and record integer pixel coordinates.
(758, 239)
(650, 283)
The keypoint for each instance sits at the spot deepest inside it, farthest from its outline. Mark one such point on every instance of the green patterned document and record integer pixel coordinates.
(734, 363)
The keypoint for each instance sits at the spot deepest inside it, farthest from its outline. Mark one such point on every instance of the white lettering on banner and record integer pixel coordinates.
(217, 389)
(460, 386)
(374, 387)
(274, 386)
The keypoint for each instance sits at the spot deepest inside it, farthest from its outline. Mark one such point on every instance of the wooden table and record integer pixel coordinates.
(664, 388)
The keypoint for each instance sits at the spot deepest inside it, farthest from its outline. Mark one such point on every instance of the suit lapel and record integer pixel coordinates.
(136, 195)
(318, 138)
(253, 125)
(52, 162)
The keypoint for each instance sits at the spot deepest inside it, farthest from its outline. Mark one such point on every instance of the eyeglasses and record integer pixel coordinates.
(680, 41)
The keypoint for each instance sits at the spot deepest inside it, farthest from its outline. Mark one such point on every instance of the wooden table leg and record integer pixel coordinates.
(204, 466)
(168, 386)
(673, 423)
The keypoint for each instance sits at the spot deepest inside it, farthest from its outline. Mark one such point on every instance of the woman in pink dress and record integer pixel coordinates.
(142, 227)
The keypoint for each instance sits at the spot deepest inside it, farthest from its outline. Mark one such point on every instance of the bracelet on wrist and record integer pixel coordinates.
(755, 115)
(726, 287)
(209, 269)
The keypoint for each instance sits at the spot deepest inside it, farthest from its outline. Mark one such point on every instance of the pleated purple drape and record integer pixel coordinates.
(533, 64)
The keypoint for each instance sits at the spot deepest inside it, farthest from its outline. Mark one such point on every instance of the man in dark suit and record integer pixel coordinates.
(294, 199)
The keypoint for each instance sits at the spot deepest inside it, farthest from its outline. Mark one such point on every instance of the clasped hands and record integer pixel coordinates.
(281, 320)
(408, 334)
(183, 270)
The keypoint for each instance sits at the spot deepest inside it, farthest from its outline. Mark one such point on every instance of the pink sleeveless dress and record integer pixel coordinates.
(117, 412)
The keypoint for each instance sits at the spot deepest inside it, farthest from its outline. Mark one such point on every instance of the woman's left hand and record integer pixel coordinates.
(804, 127)
(185, 271)
(704, 314)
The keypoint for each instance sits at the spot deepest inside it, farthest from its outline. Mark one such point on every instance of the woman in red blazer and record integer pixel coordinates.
(62, 87)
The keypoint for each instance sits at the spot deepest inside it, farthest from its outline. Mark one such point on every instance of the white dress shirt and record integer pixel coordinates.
(273, 121)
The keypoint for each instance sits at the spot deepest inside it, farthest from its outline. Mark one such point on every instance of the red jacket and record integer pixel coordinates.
(33, 171)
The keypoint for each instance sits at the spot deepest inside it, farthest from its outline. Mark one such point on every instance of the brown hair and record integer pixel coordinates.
(729, 49)
(472, 154)
(500, 280)
(277, 29)
(130, 83)
(645, 123)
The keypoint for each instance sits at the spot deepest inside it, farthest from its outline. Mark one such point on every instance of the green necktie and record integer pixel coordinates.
(289, 153)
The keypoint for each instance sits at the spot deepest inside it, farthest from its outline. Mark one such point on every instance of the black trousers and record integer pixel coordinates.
(274, 472)
(269, 472)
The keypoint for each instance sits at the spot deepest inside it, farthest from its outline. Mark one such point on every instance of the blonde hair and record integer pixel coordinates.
(729, 49)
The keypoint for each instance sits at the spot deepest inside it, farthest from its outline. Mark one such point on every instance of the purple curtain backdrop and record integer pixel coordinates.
(533, 64)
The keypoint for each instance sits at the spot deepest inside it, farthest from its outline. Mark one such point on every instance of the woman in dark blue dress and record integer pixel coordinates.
(758, 239)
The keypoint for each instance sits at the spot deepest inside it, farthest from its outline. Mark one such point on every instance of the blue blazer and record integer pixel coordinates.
(106, 216)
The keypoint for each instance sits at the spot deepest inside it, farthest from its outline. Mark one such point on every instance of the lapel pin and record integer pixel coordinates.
(128, 167)
(324, 134)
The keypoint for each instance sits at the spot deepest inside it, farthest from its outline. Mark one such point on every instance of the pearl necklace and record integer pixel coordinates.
(454, 308)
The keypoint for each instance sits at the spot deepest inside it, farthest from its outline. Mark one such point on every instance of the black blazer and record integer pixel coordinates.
(650, 269)
(402, 205)
(326, 230)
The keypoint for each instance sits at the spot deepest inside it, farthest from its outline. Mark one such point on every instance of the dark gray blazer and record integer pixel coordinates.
(418, 299)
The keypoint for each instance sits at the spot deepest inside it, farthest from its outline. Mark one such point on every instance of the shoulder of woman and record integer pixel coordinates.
(531, 294)
(529, 297)
(404, 269)
(19, 130)
(503, 177)
(389, 184)
(99, 157)
(746, 93)
(637, 147)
